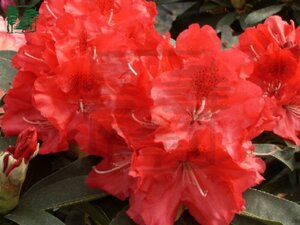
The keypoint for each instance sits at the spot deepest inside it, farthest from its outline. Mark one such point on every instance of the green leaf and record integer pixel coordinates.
(96, 213)
(66, 192)
(77, 168)
(122, 219)
(261, 14)
(6, 141)
(226, 20)
(51, 191)
(7, 72)
(269, 209)
(285, 155)
(33, 217)
(242, 220)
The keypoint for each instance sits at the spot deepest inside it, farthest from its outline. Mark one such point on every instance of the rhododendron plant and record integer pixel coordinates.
(173, 124)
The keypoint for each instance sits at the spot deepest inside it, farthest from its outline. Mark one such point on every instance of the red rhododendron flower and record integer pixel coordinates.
(275, 68)
(205, 91)
(199, 175)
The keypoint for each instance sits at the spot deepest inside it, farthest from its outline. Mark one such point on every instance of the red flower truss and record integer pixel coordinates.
(273, 51)
(76, 63)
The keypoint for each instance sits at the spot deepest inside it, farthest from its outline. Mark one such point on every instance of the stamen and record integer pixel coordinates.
(132, 70)
(95, 56)
(193, 178)
(33, 57)
(34, 122)
(111, 170)
(50, 11)
(81, 105)
(110, 16)
(199, 111)
(254, 51)
(143, 123)
(294, 109)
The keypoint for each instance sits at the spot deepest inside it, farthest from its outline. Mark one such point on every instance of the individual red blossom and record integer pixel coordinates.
(200, 175)
(273, 32)
(111, 174)
(202, 93)
(20, 113)
(275, 69)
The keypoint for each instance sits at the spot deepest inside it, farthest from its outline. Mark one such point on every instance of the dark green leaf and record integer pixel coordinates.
(33, 217)
(96, 213)
(7, 72)
(262, 206)
(69, 191)
(243, 220)
(261, 14)
(77, 168)
(122, 219)
(6, 141)
(285, 155)
(227, 20)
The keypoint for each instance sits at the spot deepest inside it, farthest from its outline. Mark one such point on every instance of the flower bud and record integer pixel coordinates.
(13, 168)
(238, 4)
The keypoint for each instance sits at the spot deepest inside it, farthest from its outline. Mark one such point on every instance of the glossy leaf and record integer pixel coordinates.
(242, 220)
(66, 192)
(28, 216)
(261, 14)
(7, 72)
(285, 155)
(267, 208)
(227, 20)
(77, 168)
(6, 141)
(122, 219)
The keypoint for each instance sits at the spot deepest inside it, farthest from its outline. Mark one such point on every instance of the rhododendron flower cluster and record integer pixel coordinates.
(173, 124)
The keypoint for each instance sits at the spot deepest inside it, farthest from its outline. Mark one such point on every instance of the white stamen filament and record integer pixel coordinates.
(132, 69)
(254, 51)
(110, 16)
(33, 57)
(95, 53)
(34, 122)
(143, 123)
(50, 11)
(127, 163)
(193, 178)
(294, 109)
(199, 111)
(81, 105)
